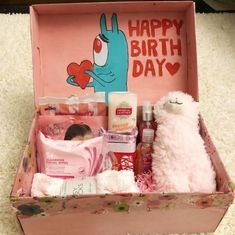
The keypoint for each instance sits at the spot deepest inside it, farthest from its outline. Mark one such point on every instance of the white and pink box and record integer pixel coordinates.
(120, 149)
(148, 48)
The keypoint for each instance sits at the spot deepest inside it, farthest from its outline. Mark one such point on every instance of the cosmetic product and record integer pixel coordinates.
(147, 121)
(122, 112)
(144, 152)
(120, 150)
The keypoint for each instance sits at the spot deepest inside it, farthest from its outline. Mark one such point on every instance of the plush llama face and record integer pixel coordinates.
(176, 103)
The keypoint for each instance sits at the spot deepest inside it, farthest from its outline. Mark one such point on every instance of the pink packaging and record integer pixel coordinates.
(88, 105)
(69, 159)
(54, 127)
(125, 155)
(121, 150)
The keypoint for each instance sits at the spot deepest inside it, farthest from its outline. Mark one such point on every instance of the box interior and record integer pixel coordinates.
(28, 165)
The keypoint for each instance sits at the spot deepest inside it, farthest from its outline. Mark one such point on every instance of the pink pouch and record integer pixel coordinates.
(89, 105)
(54, 127)
(70, 159)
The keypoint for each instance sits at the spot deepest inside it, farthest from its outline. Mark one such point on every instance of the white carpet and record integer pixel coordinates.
(216, 65)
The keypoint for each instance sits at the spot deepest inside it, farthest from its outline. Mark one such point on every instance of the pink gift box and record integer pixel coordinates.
(152, 52)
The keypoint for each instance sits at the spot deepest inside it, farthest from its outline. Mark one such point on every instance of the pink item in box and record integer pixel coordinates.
(124, 153)
(70, 159)
(179, 147)
(155, 55)
(120, 150)
(54, 127)
(89, 105)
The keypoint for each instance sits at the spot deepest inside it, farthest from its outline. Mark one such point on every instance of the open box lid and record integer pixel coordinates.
(145, 47)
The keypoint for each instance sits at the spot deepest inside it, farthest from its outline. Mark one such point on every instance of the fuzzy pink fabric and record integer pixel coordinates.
(180, 162)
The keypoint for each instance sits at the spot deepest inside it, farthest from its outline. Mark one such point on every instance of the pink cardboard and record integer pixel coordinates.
(161, 221)
(158, 55)
(123, 213)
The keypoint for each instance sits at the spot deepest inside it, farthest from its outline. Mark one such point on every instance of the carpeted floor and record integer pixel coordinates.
(216, 65)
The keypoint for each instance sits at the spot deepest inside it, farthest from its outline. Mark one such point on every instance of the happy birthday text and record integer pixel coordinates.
(154, 40)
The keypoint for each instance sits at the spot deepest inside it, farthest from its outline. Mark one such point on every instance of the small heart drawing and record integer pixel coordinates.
(172, 68)
(78, 71)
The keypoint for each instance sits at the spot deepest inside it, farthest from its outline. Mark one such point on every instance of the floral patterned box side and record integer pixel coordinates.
(155, 42)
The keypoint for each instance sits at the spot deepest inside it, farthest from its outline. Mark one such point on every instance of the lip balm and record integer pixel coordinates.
(122, 114)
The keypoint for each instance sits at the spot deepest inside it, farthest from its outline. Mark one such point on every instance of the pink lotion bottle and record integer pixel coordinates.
(147, 119)
(144, 152)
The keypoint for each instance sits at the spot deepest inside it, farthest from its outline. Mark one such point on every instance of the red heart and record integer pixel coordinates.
(78, 71)
(173, 68)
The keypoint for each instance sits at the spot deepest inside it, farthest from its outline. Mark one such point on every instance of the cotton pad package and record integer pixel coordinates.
(70, 159)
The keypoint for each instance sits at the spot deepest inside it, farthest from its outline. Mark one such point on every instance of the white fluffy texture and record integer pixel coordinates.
(176, 104)
(44, 185)
(216, 67)
(180, 162)
(112, 181)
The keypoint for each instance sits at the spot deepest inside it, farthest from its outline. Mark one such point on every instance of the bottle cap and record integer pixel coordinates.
(148, 135)
(147, 114)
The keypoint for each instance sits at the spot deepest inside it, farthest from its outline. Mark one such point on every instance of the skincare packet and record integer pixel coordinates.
(70, 159)
(89, 105)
